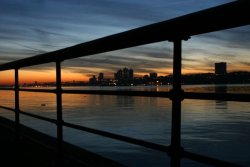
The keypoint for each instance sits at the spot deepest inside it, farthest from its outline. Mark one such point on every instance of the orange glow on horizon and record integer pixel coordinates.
(28, 76)
(7, 77)
(192, 71)
(31, 76)
(42, 76)
(69, 76)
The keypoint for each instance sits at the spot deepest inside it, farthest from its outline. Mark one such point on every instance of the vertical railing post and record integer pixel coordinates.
(176, 97)
(59, 112)
(17, 109)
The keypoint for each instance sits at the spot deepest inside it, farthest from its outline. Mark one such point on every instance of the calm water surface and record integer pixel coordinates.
(215, 128)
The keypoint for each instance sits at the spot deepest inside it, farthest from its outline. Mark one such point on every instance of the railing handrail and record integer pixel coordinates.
(222, 17)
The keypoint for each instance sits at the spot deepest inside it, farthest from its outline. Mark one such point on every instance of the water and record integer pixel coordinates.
(215, 128)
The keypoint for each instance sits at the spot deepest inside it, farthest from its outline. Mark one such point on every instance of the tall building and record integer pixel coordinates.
(118, 75)
(146, 79)
(100, 76)
(131, 74)
(220, 68)
(125, 73)
(124, 76)
(92, 81)
(153, 76)
(220, 73)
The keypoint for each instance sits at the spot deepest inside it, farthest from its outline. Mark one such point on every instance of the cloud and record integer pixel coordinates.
(33, 27)
(237, 38)
(147, 58)
(6, 59)
(245, 63)
(229, 45)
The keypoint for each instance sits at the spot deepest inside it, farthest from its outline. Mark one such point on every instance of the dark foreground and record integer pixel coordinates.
(33, 148)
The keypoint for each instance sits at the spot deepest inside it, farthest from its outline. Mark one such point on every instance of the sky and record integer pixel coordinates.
(32, 27)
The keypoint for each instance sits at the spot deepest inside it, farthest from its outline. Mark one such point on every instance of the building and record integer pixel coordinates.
(118, 75)
(92, 81)
(153, 78)
(124, 76)
(146, 79)
(220, 73)
(131, 74)
(220, 68)
(100, 77)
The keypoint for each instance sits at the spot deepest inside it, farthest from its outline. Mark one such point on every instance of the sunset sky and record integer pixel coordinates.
(32, 27)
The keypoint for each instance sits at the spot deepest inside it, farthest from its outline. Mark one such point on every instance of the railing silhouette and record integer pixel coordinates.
(234, 14)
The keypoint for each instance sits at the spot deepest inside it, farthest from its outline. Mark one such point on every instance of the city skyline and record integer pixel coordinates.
(219, 70)
(125, 77)
(35, 27)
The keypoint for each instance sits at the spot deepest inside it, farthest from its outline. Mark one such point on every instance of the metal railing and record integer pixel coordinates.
(232, 15)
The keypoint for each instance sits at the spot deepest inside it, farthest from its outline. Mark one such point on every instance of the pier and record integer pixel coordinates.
(28, 147)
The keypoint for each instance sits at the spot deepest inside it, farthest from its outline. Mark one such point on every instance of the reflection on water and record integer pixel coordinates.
(221, 89)
(215, 128)
(125, 102)
(219, 103)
